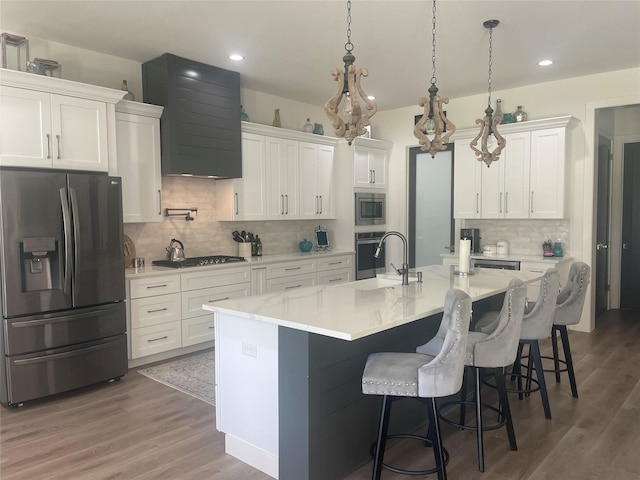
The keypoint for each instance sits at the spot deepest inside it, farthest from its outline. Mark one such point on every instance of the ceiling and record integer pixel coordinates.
(290, 47)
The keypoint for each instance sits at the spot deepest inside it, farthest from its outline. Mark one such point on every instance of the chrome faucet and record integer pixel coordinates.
(404, 271)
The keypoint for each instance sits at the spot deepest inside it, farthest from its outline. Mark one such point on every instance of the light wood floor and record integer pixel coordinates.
(140, 429)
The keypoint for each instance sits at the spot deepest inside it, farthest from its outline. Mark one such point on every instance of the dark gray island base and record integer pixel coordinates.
(326, 424)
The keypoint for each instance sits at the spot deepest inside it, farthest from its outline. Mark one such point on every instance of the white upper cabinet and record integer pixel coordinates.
(286, 175)
(138, 161)
(316, 181)
(528, 181)
(467, 183)
(52, 123)
(246, 198)
(505, 184)
(282, 178)
(370, 167)
(548, 195)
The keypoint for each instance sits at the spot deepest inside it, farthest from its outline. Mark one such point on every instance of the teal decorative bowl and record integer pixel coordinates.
(305, 245)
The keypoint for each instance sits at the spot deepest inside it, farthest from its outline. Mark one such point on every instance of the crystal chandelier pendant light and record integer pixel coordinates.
(350, 89)
(491, 142)
(430, 129)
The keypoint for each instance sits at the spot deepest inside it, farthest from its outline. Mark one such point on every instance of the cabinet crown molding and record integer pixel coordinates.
(566, 121)
(138, 108)
(42, 83)
(268, 130)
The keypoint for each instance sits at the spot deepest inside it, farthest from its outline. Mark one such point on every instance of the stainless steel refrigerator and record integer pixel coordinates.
(63, 290)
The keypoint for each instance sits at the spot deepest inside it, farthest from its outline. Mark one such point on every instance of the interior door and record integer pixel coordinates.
(430, 206)
(602, 228)
(629, 279)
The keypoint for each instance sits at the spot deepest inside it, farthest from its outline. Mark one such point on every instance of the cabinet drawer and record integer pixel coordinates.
(155, 339)
(148, 311)
(536, 267)
(192, 301)
(333, 263)
(290, 268)
(197, 330)
(335, 277)
(215, 278)
(289, 283)
(147, 287)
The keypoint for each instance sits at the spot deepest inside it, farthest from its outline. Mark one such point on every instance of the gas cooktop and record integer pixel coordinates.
(198, 261)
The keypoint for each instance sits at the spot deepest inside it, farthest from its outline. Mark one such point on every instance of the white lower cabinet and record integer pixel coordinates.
(290, 275)
(335, 270)
(165, 312)
(155, 339)
(154, 315)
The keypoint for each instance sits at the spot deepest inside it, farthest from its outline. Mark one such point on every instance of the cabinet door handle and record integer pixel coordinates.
(335, 263)
(58, 139)
(331, 280)
(374, 175)
(156, 339)
(218, 299)
(500, 203)
(292, 268)
(288, 287)
(157, 310)
(320, 205)
(281, 204)
(236, 202)
(506, 202)
(48, 145)
(317, 204)
(531, 201)
(286, 197)
(157, 286)
(159, 202)
(477, 203)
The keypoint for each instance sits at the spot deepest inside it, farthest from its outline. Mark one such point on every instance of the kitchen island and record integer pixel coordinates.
(289, 366)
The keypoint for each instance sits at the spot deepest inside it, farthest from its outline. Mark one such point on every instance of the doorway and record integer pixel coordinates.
(602, 283)
(629, 280)
(431, 222)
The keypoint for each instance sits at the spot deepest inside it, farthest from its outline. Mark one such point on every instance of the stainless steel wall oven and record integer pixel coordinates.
(366, 265)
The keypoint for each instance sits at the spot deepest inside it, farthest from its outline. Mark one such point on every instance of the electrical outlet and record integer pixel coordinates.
(250, 349)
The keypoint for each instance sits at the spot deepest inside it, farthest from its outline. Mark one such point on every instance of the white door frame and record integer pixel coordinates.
(588, 320)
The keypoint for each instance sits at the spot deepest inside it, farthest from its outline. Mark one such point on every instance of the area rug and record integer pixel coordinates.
(193, 375)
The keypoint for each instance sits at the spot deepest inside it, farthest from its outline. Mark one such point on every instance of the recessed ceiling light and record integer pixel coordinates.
(371, 97)
(545, 63)
(236, 57)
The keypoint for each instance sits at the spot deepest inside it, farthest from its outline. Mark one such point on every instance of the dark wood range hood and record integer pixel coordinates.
(200, 124)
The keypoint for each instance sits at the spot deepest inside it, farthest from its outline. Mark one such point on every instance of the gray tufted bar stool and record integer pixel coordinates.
(422, 376)
(568, 312)
(536, 325)
(495, 351)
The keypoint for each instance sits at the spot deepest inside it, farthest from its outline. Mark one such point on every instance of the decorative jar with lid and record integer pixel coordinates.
(305, 245)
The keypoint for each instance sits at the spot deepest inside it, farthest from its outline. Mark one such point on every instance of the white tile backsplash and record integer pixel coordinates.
(206, 236)
(524, 236)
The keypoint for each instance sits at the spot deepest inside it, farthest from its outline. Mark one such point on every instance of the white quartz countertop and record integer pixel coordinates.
(152, 270)
(357, 309)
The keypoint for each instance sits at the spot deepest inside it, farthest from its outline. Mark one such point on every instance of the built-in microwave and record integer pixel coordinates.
(370, 208)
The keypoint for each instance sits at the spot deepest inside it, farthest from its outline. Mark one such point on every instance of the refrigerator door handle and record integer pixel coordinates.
(76, 220)
(66, 222)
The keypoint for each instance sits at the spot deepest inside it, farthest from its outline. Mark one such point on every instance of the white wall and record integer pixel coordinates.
(566, 97)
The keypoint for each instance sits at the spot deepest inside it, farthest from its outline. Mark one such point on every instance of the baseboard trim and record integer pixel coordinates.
(252, 455)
